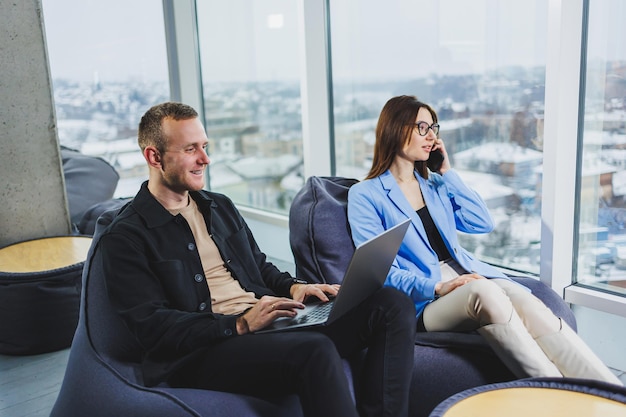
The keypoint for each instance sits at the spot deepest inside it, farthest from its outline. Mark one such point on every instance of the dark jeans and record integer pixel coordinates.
(308, 363)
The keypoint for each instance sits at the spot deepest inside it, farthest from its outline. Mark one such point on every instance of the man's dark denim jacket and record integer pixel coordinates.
(156, 282)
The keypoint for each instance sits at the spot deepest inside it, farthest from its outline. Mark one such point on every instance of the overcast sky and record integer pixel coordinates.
(118, 39)
(243, 40)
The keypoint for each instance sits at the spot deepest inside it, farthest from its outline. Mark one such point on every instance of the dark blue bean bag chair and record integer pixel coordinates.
(102, 378)
(88, 180)
(445, 362)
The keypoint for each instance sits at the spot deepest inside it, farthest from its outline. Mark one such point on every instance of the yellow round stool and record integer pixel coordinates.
(40, 284)
(537, 397)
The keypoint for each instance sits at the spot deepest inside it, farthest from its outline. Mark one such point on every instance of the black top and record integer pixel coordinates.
(434, 237)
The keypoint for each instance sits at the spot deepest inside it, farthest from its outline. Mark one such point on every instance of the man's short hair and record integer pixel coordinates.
(151, 125)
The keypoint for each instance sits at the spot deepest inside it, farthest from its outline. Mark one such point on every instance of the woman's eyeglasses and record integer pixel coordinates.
(422, 128)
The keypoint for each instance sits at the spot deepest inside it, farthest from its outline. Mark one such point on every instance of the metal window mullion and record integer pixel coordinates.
(561, 132)
(315, 76)
(183, 56)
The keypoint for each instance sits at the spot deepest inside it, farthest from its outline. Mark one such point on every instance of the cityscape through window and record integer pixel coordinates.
(108, 66)
(251, 85)
(480, 64)
(602, 193)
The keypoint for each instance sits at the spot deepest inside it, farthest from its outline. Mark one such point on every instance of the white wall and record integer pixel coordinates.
(605, 333)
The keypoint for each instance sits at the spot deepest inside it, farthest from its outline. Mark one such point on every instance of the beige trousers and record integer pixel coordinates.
(520, 328)
(487, 301)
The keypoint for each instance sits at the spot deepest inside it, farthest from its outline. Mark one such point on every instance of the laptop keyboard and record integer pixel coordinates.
(319, 313)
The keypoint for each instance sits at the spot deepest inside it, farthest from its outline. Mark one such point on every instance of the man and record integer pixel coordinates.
(186, 275)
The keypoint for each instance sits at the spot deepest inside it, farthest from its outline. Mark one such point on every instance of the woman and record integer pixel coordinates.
(451, 290)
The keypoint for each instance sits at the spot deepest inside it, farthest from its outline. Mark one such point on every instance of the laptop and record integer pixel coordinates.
(366, 273)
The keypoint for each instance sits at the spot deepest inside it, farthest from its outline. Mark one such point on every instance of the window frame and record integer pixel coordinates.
(563, 103)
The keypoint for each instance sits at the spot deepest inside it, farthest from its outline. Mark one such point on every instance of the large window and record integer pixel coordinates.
(109, 65)
(251, 86)
(481, 65)
(602, 192)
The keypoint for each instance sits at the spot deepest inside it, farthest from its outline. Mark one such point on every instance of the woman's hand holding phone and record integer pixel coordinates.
(435, 160)
(438, 160)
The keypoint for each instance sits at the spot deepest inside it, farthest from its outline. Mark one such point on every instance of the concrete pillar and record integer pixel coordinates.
(32, 191)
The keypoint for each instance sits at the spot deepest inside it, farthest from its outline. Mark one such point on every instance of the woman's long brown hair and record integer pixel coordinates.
(395, 125)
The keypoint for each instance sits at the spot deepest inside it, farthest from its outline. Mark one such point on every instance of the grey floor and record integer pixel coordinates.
(29, 384)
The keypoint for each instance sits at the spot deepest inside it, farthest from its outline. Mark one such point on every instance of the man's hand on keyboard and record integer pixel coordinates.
(301, 292)
(265, 311)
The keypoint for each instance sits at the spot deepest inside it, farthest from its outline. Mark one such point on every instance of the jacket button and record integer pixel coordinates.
(198, 277)
(202, 306)
(228, 261)
(191, 246)
(228, 332)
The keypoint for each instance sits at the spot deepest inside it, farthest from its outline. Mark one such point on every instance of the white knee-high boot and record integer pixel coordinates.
(573, 357)
(518, 350)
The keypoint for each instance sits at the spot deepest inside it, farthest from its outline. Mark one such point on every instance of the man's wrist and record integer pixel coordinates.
(295, 282)
(242, 325)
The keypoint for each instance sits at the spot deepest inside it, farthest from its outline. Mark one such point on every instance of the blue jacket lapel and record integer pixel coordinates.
(401, 203)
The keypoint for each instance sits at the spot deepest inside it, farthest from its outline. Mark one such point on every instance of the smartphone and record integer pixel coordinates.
(435, 160)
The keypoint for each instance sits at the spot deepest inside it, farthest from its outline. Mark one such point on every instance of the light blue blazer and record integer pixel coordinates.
(378, 204)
